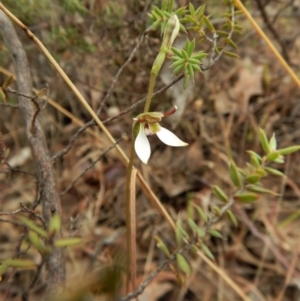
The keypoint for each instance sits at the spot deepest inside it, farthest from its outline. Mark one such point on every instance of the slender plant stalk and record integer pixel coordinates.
(268, 42)
(131, 222)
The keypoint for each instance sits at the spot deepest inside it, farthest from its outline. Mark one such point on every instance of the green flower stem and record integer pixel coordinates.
(154, 72)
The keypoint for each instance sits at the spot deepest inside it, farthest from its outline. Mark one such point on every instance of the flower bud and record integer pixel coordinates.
(171, 32)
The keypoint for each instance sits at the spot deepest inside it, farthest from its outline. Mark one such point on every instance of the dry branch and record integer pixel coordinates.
(35, 135)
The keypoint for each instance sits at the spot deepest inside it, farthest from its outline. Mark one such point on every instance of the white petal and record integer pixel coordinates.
(142, 145)
(169, 138)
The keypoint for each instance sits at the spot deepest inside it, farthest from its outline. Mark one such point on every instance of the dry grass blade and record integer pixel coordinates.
(268, 42)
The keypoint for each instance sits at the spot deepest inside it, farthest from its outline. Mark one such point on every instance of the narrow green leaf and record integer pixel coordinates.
(176, 51)
(208, 24)
(180, 11)
(191, 48)
(191, 60)
(196, 68)
(235, 175)
(215, 233)
(232, 217)
(38, 244)
(201, 213)
(191, 8)
(183, 264)
(222, 33)
(220, 194)
(158, 12)
(259, 189)
(199, 231)
(246, 197)
(177, 69)
(289, 150)
(191, 72)
(184, 54)
(34, 227)
(271, 157)
(273, 143)
(55, 224)
(253, 178)
(20, 263)
(67, 242)
(264, 141)
(199, 55)
(160, 244)
(207, 251)
(231, 54)
(199, 12)
(274, 171)
(217, 210)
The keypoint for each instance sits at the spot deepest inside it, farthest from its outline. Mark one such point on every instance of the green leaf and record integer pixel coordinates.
(158, 12)
(199, 55)
(191, 8)
(184, 54)
(177, 69)
(253, 178)
(199, 12)
(217, 210)
(207, 251)
(255, 158)
(246, 197)
(20, 263)
(231, 43)
(180, 62)
(55, 224)
(289, 150)
(160, 244)
(196, 68)
(264, 141)
(67, 242)
(190, 48)
(191, 72)
(273, 143)
(194, 61)
(274, 171)
(199, 231)
(208, 24)
(231, 54)
(176, 51)
(259, 189)
(215, 233)
(183, 264)
(235, 175)
(34, 227)
(220, 194)
(201, 213)
(38, 244)
(232, 217)
(271, 157)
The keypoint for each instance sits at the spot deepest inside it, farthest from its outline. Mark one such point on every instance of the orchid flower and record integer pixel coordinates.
(147, 124)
